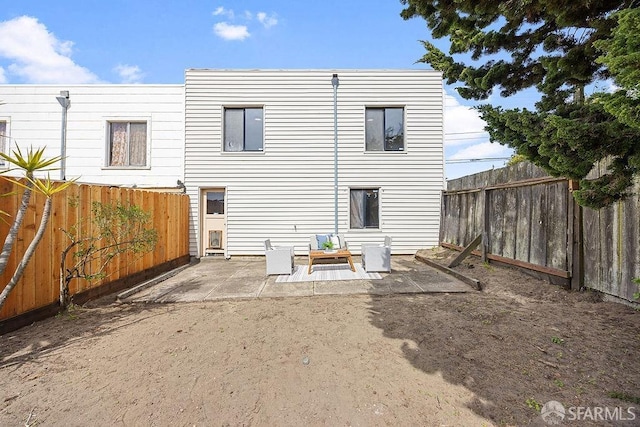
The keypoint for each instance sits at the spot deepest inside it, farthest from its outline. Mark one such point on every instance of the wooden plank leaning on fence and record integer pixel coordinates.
(466, 252)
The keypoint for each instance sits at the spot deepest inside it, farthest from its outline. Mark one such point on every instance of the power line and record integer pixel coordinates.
(465, 133)
(469, 138)
(481, 159)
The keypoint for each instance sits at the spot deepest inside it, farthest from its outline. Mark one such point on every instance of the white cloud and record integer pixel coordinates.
(466, 139)
(267, 20)
(37, 55)
(610, 86)
(231, 32)
(3, 78)
(462, 124)
(220, 10)
(129, 73)
(481, 151)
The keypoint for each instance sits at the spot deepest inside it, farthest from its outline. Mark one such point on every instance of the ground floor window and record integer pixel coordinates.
(364, 209)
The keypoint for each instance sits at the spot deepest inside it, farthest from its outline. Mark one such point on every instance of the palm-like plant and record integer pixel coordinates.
(31, 163)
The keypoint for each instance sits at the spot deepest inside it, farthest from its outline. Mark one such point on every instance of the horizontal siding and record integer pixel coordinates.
(35, 120)
(286, 193)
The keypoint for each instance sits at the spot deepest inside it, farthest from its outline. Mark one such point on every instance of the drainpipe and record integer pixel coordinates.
(335, 82)
(64, 101)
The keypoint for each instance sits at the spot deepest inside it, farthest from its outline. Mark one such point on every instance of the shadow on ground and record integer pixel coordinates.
(519, 344)
(74, 325)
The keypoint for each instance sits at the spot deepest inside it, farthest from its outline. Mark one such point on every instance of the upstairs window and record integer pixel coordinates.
(364, 209)
(243, 129)
(127, 144)
(384, 129)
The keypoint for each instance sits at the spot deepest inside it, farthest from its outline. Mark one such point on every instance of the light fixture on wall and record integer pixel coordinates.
(65, 102)
(335, 82)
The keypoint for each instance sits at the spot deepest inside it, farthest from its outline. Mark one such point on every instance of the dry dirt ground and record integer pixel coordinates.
(474, 359)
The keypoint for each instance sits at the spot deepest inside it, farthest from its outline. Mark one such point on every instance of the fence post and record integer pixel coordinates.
(487, 225)
(575, 250)
(577, 263)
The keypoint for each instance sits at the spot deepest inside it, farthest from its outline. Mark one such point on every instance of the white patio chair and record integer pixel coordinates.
(377, 257)
(279, 259)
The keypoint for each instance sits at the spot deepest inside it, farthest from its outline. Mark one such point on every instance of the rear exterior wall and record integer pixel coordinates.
(286, 192)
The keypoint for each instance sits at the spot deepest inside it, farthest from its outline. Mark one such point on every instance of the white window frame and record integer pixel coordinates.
(107, 150)
(223, 125)
(7, 140)
(404, 128)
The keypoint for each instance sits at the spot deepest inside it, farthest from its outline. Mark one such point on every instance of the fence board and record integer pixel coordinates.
(119, 263)
(496, 218)
(39, 286)
(523, 224)
(538, 251)
(631, 246)
(591, 230)
(606, 249)
(28, 279)
(556, 221)
(145, 198)
(510, 222)
(42, 262)
(462, 225)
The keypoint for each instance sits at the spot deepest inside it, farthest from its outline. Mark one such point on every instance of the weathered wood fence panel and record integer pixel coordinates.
(527, 218)
(40, 284)
(533, 222)
(612, 246)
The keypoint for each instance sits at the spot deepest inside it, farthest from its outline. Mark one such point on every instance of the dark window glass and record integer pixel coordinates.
(243, 129)
(384, 129)
(215, 202)
(364, 208)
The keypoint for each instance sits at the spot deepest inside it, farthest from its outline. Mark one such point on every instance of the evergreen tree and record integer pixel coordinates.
(621, 54)
(558, 47)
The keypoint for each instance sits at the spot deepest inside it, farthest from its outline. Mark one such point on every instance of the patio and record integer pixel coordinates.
(215, 278)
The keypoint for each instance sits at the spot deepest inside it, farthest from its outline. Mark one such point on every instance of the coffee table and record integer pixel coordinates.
(338, 254)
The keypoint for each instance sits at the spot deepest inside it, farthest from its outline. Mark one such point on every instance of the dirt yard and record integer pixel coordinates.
(473, 359)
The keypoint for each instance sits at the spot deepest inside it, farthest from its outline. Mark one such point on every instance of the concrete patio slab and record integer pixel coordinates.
(341, 287)
(298, 289)
(244, 277)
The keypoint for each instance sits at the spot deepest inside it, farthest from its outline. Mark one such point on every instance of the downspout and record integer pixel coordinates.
(335, 82)
(64, 101)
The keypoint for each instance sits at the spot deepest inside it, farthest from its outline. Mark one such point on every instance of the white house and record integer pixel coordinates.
(260, 157)
(260, 152)
(130, 135)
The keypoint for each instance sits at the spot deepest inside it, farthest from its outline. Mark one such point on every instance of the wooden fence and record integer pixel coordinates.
(37, 293)
(530, 219)
(612, 246)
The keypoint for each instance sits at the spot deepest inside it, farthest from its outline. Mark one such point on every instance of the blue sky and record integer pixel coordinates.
(140, 41)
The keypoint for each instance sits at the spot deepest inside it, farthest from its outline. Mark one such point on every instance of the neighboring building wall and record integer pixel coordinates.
(286, 192)
(34, 117)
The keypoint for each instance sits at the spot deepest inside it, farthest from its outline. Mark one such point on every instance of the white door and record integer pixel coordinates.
(214, 225)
